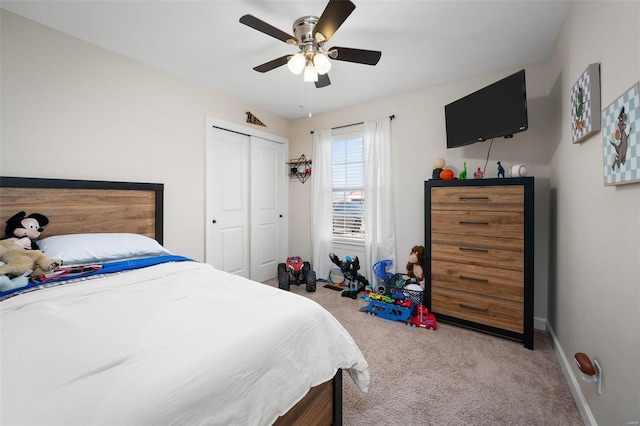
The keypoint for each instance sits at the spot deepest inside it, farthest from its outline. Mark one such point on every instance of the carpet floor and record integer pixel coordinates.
(451, 376)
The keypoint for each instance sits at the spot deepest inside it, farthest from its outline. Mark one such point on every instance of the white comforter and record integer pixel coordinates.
(177, 343)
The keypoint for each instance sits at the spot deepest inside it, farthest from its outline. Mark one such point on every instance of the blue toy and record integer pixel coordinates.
(387, 311)
(382, 274)
(500, 170)
(404, 305)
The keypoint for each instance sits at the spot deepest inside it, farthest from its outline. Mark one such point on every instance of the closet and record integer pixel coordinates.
(246, 200)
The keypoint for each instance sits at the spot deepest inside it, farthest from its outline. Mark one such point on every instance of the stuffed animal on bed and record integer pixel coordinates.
(18, 260)
(24, 230)
(7, 283)
(415, 266)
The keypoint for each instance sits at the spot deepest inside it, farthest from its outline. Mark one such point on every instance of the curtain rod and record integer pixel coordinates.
(391, 117)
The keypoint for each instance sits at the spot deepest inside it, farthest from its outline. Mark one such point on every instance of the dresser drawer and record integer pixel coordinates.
(500, 313)
(481, 280)
(482, 224)
(486, 251)
(492, 198)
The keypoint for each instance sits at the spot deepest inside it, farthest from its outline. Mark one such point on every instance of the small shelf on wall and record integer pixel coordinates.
(300, 168)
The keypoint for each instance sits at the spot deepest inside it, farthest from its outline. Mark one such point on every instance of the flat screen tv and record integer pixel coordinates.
(497, 110)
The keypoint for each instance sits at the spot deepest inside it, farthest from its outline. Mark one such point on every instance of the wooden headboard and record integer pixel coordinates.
(85, 206)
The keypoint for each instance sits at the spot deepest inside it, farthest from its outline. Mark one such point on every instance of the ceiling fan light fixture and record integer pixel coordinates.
(322, 63)
(297, 63)
(310, 33)
(310, 74)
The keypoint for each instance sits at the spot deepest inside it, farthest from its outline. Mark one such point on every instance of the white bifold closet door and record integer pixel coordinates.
(245, 204)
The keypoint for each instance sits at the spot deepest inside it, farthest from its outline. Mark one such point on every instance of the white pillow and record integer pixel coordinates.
(76, 249)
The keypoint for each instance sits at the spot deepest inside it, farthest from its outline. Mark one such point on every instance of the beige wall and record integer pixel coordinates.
(76, 111)
(125, 121)
(595, 284)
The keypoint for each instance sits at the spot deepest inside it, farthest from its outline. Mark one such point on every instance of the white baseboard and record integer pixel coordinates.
(578, 396)
(540, 323)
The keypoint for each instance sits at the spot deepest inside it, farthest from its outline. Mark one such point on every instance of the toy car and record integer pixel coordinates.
(375, 296)
(423, 319)
(296, 271)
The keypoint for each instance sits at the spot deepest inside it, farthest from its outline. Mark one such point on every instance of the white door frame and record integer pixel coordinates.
(212, 122)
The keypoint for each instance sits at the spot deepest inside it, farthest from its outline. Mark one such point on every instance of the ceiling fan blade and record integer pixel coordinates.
(361, 56)
(257, 24)
(268, 66)
(336, 12)
(323, 81)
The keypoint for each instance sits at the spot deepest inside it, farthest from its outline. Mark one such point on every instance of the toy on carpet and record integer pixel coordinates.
(24, 230)
(296, 271)
(349, 269)
(380, 271)
(404, 305)
(415, 265)
(18, 260)
(338, 276)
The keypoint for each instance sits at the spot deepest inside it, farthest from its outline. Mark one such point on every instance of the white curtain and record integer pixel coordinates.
(380, 230)
(321, 204)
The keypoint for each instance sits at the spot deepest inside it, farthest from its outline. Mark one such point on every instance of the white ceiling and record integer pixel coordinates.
(423, 43)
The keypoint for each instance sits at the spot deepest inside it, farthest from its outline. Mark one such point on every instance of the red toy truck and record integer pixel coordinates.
(423, 319)
(296, 271)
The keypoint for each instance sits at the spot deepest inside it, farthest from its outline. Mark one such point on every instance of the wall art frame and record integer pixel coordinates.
(621, 138)
(585, 104)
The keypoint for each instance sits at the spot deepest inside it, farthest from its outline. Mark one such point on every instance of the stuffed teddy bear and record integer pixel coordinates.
(415, 266)
(18, 260)
(23, 229)
(7, 283)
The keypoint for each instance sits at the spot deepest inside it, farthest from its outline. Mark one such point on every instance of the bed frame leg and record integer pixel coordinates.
(337, 398)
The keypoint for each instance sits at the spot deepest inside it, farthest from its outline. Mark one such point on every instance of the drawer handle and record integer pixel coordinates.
(472, 223)
(482, 280)
(475, 308)
(474, 249)
(473, 198)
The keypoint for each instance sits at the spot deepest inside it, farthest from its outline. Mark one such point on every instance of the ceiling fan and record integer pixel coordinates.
(310, 35)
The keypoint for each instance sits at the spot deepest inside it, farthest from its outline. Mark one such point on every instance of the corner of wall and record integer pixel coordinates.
(572, 380)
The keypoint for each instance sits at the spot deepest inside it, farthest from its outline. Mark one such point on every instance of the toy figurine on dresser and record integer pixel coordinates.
(500, 170)
(438, 165)
(463, 173)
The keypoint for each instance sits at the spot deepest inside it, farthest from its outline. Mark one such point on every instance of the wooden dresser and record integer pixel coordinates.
(479, 254)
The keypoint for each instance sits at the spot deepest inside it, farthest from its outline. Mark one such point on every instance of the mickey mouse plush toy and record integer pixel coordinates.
(23, 229)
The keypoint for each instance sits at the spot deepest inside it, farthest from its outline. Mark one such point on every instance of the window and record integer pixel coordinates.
(347, 160)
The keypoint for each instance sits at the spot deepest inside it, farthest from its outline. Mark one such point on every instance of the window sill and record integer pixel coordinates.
(348, 242)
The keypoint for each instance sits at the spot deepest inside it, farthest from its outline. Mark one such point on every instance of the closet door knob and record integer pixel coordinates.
(214, 221)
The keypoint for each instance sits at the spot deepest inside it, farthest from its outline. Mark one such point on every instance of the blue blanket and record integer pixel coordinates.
(74, 272)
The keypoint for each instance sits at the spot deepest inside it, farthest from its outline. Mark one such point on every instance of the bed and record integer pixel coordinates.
(139, 335)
